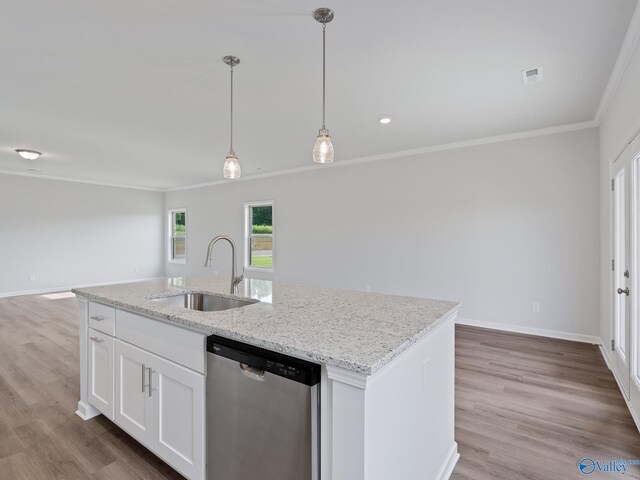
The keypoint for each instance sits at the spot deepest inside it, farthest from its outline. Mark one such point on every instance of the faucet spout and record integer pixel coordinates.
(235, 280)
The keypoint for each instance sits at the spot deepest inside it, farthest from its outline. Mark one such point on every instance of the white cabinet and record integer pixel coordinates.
(178, 406)
(161, 404)
(133, 405)
(148, 377)
(100, 371)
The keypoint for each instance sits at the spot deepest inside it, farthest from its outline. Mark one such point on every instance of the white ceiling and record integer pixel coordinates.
(136, 93)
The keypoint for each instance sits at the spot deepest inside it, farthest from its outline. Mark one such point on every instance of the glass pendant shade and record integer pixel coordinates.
(323, 149)
(231, 167)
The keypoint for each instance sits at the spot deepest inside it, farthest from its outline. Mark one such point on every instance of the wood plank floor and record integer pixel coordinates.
(526, 407)
(532, 408)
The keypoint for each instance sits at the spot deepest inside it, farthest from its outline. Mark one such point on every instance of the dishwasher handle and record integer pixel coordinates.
(252, 372)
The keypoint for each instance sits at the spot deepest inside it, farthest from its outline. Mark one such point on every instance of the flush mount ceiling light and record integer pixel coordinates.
(28, 154)
(385, 120)
(231, 168)
(323, 149)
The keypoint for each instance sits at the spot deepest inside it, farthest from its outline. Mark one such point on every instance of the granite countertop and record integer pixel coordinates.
(357, 331)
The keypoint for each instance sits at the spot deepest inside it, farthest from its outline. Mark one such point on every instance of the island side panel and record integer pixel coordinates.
(410, 408)
(343, 424)
(398, 423)
(85, 410)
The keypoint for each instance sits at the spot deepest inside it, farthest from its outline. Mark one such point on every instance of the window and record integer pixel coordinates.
(178, 236)
(259, 235)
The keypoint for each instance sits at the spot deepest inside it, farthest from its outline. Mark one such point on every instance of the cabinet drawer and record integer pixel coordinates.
(180, 345)
(102, 318)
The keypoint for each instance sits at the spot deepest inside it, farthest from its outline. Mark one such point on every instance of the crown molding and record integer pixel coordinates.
(354, 161)
(403, 153)
(626, 50)
(77, 180)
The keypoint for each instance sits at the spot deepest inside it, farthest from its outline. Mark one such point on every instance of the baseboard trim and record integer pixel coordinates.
(540, 332)
(634, 414)
(42, 291)
(449, 464)
(605, 355)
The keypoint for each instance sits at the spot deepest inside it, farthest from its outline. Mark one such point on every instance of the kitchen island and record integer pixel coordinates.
(387, 369)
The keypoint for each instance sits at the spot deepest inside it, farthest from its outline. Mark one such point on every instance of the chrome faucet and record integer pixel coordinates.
(207, 263)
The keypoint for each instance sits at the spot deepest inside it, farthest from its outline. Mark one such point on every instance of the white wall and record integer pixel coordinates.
(69, 234)
(619, 124)
(497, 226)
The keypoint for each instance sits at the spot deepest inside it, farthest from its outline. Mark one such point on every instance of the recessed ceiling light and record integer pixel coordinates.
(385, 120)
(28, 154)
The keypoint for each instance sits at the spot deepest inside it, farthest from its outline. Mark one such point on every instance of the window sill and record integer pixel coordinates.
(259, 269)
(177, 262)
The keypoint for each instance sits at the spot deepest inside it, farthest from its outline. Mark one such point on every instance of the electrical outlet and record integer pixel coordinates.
(215, 273)
(137, 269)
(32, 277)
(367, 289)
(536, 307)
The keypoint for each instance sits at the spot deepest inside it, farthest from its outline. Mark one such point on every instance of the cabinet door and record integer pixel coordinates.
(133, 404)
(179, 417)
(100, 371)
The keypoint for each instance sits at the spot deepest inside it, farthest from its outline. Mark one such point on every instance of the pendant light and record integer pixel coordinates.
(323, 149)
(231, 165)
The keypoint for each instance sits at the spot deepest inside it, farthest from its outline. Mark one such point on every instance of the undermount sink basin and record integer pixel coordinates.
(204, 302)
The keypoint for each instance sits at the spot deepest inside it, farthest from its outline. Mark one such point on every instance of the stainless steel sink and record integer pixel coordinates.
(204, 302)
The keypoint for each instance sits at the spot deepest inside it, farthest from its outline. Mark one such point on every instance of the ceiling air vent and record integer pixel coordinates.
(533, 75)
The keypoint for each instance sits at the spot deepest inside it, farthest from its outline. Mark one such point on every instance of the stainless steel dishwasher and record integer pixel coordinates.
(262, 414)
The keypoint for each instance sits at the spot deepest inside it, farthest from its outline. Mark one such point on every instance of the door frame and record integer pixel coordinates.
(634, 280)
(621, 260)
(631, 157)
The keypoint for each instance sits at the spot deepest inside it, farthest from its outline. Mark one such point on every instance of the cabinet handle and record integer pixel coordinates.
(97, 318)
(96, 339)
(143, 385)
(151, 372)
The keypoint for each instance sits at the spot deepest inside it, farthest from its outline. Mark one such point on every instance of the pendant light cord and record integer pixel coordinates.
(231, 122)
(324, 76)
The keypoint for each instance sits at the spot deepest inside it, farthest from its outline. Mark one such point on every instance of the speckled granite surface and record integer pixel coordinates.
(361, 332)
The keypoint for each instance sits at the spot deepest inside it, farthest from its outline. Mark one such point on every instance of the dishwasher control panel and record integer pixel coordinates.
(292, 368)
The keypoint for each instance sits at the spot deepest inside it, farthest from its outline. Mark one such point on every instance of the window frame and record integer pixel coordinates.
(170, 236)
(248, 234)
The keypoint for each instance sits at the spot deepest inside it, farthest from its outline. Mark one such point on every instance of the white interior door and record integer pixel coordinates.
(621, 257)
(626, 220)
